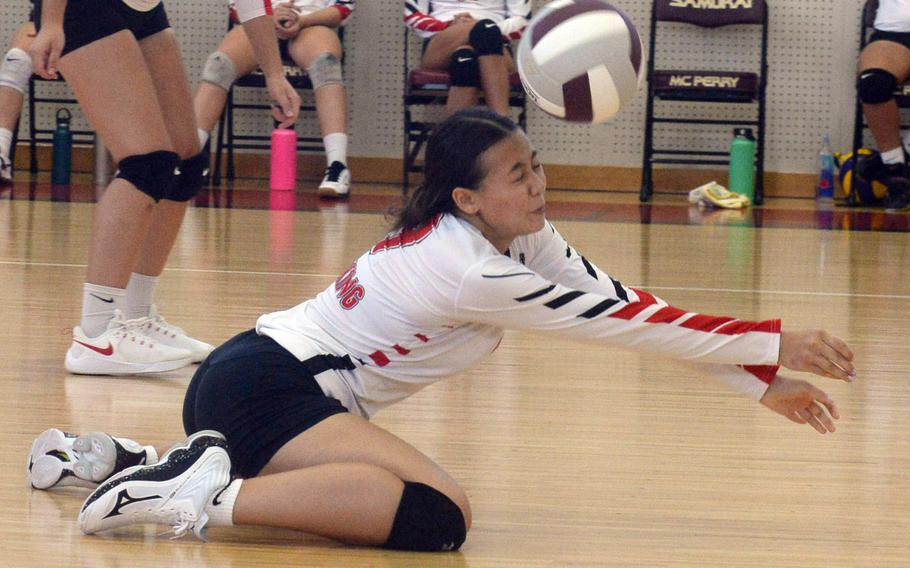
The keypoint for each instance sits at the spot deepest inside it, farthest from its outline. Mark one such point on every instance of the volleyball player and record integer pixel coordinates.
(122, 61)
(471, 254)
(883, 65)
(15, 72)
(470, 40)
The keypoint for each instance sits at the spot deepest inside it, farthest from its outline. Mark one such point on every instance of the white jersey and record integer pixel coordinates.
(304, 7)
(432, 302)
(893, 16)
(249, 9)
(428, 17)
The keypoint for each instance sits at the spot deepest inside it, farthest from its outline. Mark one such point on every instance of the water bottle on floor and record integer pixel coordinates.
(825, 189)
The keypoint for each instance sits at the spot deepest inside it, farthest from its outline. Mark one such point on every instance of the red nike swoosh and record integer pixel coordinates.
(107, 351)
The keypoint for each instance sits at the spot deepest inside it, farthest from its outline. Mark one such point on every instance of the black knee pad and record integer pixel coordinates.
(191, 178)
(876, 86)
(154, 174)
(426, 521)
(485, 38)
(463, 68)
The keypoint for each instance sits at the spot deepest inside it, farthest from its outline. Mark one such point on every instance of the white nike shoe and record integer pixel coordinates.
(6, 171)
(59, 459)
(337, 181)
(173, 492)
(122, 350)
(158, 329)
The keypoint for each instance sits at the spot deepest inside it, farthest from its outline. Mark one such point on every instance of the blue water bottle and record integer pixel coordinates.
(63, 148)
(825, 189)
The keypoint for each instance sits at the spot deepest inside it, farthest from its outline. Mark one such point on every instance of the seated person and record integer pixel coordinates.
(883, 65)
(308, 33)
(472, 44)
(15, 72)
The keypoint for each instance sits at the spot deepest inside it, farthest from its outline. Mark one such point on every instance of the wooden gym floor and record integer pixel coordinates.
(572, 454)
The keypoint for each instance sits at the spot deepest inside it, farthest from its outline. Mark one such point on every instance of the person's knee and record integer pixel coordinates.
(16, 70)
(485, 38)
(219, 70)
(154, 173)
(876, 86)
(324, 70)
(464, 69)
(427, 520)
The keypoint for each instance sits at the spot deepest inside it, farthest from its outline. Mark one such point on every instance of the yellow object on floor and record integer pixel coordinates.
(712, 194)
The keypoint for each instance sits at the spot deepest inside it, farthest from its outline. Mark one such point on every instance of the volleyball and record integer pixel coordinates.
(581, 60)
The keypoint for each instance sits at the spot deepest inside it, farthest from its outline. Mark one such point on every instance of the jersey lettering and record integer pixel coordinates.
(348, 289)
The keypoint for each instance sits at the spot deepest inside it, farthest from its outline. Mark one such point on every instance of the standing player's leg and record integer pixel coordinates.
(234, 58)
(318, 50)
(15, 72)
(486, 39)
(163, 59)
(882, 66)
(134, 130)
(450, 49)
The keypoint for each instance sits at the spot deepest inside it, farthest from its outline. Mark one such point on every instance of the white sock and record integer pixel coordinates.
(220, 508)
(203, 136)
(139, 294)
(906, 138)
(6, 141)
(894, 156)
(98, 305)
(336, 147)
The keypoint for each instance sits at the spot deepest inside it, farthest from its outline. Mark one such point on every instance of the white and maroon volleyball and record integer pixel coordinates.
(581, 60)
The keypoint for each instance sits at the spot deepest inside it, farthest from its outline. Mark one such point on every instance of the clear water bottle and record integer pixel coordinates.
(825, 189)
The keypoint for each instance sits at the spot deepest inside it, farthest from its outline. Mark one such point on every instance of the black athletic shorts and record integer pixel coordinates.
(256, 393)
(86, 21)
(902, 38)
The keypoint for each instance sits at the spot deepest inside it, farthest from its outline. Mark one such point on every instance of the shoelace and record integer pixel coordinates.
(132, 330)
(162, 326)
(181, 523)
(333, 172)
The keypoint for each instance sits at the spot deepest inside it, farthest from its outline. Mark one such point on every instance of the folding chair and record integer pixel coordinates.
(230, 140)
(430, 87)
(707, 84)
(901, 94)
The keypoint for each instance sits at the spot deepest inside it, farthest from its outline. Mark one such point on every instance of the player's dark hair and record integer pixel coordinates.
(453, 160)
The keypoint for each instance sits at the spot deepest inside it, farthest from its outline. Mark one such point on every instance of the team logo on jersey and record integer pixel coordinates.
(348, 289)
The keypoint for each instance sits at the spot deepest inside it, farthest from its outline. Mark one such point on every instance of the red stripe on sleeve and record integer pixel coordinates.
(421, 337)
(702, 322)
(765, 373)
(379, 358)
(739, 327)
(401, 350)
(268, 6)
(633, 309)
(668, 314)
(344, 10)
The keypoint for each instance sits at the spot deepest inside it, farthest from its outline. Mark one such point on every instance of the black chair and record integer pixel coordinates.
(901, 94)
(46, 135)
(430, 87)
(705, 85)
(229, 140)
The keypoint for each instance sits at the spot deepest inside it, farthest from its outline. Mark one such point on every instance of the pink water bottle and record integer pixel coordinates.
(284, 159)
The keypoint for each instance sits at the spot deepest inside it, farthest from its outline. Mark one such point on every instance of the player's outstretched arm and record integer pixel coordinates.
(802, 402)
(816, 351)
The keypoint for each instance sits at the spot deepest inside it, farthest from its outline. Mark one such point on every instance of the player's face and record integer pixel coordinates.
(510, 198)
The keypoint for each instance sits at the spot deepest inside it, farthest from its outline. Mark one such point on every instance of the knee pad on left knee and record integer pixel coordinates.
(427, 521)
(876, 86)
(219, 70)
(191, 178)
(154, 174)
(485, 38)
(464, 69)
(325, 70)
(16, 70)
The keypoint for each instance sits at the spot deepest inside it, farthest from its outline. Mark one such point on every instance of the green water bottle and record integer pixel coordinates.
(742, 162)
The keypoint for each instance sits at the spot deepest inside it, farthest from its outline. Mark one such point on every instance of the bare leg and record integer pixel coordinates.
(210, 99)
(331, 100)
(162, 55)
(131, 125)
(347, 478)
(884, 118)
(11, 99)
(494, 79)
(438, 56)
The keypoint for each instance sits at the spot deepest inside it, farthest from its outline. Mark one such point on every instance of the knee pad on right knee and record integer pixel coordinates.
(219, 70)
(426, 521)
(191, 178)
(485, 38)
(325, 70)
(154, 174)
(876, 86)
(16, 70)
(464, 69)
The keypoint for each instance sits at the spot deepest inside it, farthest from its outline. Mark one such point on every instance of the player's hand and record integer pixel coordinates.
(288, 22)
(802, 402)
(45, 51)
(285, 97)
(816, 351)
(463, 18)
